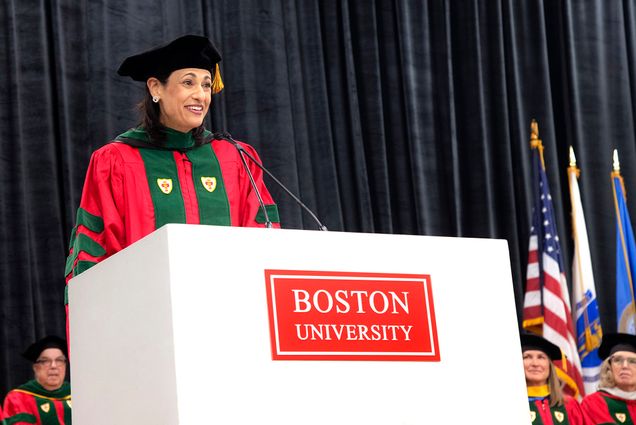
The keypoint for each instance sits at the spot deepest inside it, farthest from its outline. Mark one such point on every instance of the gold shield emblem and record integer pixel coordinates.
(68, 402)
(533, 416)
(165, 185)
(622, 417)
(46, 407)
(559, 416)
(209, 183)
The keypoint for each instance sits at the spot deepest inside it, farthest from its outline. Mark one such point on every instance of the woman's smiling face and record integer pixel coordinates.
(536, 365)
(185, 98)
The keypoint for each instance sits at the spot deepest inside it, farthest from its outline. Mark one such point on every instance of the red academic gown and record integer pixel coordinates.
(32, 404)
(603, 408)
(130, 192)
(570, 413)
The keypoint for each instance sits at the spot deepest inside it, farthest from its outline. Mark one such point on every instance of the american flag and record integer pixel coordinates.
(546, 306)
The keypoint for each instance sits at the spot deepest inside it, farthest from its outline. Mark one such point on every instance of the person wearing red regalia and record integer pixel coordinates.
(45, 400)
(615, 400)
(548, 405)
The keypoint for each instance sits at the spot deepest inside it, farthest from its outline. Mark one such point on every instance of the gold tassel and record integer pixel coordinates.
(217, 83)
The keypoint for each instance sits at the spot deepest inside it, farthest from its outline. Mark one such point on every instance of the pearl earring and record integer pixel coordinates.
(155, 99)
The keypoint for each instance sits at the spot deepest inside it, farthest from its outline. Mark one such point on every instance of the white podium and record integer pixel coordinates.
(182, 328)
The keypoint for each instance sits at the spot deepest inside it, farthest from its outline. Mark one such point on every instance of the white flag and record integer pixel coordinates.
(588, 325)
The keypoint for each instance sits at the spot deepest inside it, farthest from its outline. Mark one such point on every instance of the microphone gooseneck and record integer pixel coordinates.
(228, 138)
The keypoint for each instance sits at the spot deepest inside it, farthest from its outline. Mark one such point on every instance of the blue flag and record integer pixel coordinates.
(625, 260)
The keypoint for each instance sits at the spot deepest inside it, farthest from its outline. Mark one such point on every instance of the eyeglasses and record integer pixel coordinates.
(619, 360)
(49, 362)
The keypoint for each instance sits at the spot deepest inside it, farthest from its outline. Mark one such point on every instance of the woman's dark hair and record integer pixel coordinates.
(151, 118)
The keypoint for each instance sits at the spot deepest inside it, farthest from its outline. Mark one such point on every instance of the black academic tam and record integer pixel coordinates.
(188, 51)
(34, 350)
(536, 342)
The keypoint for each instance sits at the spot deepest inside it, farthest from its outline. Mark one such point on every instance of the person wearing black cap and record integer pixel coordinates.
(169, 169)
(615, 400)
(548, 404)
(46, 399)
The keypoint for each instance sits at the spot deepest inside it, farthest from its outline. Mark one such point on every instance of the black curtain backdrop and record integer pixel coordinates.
(384, 116)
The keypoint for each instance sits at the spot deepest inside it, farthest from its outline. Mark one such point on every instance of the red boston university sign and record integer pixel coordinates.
(318, 315)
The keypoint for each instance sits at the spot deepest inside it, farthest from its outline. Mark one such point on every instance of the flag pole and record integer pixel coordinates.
(616, 173)
(536, 324)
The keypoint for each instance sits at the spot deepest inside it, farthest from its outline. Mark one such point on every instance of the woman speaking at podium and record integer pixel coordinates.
(169, 169)
(548, 405)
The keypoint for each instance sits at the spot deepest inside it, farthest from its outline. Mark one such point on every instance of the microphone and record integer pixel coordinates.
(228, 138)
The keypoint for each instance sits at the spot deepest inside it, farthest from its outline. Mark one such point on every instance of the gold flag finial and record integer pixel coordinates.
(534, 134)
(616, 166)
(535, 142)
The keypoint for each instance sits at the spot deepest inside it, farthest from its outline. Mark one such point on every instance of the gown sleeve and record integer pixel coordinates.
(251, 213)
(19, 409)
(99, 228)
(575, 414)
